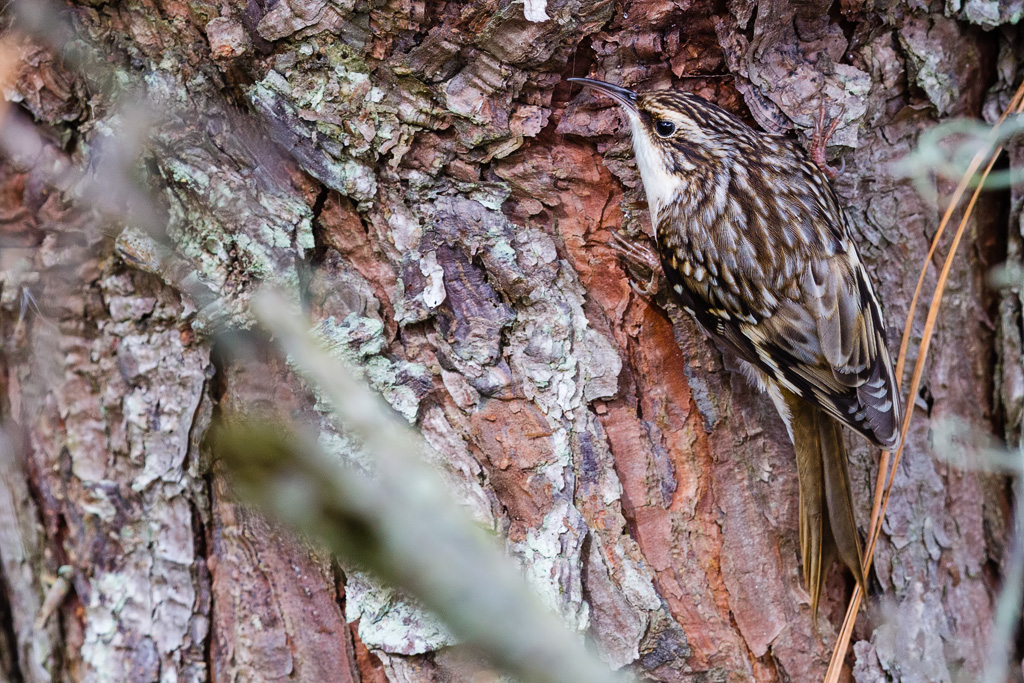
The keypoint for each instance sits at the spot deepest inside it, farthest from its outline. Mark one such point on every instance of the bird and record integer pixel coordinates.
(756, 246)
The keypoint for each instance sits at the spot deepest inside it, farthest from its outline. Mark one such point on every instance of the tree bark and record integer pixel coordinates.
(421, 177)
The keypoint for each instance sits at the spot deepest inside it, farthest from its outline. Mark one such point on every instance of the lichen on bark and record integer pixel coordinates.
(419, 177)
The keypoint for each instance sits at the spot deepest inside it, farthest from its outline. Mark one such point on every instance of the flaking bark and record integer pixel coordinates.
(419, 175)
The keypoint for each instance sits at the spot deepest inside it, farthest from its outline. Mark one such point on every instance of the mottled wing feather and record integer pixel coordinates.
(824, 341)
(838, 343)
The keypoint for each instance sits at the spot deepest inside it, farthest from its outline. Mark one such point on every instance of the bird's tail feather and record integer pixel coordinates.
(828, 526)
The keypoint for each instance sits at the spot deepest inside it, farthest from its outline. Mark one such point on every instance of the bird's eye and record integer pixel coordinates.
(665, 128)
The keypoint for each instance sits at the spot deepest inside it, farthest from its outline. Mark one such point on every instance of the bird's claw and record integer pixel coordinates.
(819, 141)
(639, 255)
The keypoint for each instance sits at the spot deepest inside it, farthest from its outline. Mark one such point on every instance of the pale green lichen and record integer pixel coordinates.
(391, 622)
(358, 341)
(554, 548)
(353, 340)
(292, 213)
(345, 451)
(261, 232)
(334, 99)
(501, 250)
(489, 195)
(935, 69)
(274, 81)
(987, 13)
(329, 153)
(185, 174)
(384, 375)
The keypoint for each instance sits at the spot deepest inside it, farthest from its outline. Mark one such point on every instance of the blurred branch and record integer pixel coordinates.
(949, 149)
(1011, 599)
(1008, 607)
(105, 188)
(50, 23)
(400, 525)
(955, 443)
(107, 183)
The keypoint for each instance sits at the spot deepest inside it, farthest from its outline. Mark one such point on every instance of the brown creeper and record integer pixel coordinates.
(756, 247)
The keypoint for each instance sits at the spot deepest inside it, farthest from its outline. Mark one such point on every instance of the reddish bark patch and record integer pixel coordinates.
(343, 230)
(515, 438)
(275, 604)
(662, 453)
(275, 614)
(370, 668)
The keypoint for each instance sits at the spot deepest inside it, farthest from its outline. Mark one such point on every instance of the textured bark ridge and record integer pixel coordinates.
(420, 176)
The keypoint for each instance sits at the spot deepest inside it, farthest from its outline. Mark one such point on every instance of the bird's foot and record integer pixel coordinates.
(639, 255)
(819, 141)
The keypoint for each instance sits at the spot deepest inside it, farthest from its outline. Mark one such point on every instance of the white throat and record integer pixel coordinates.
(660, 185)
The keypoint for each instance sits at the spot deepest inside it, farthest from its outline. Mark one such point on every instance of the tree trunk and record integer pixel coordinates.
(422, 178)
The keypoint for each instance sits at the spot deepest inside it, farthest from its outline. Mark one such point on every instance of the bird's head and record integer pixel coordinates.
(679, 139)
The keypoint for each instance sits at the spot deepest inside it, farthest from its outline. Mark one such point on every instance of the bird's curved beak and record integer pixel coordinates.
(627, 98)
